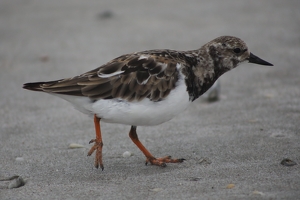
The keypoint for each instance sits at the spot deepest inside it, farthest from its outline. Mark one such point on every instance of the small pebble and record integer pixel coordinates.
(194, 179)
(230, 186)
(15, 183)
(204, 161)
(278, 135)
(156, 189)
(253, 120)
(288, 162)
(19, 159)
(74, 146)
(9, 178)
(255, 192)
(127, 154)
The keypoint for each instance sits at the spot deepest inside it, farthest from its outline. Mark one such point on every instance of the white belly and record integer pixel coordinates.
(140, 113)
(145, 112)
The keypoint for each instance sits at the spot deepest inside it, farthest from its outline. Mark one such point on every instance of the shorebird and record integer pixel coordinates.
(148, 88)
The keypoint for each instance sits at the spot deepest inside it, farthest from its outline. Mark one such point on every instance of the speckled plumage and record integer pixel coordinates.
(153, 74)
(149, 87)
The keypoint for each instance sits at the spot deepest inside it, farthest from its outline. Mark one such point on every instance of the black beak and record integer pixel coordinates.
(254, 59)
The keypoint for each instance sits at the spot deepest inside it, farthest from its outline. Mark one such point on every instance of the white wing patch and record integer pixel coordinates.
(143, 57)
(110, 75)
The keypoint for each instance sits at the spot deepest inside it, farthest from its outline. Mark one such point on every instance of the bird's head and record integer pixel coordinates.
(227, 52)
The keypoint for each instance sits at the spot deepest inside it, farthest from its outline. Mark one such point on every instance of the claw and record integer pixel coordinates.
(98, 148)
(92, 141)
(162, 161)
(163, 165)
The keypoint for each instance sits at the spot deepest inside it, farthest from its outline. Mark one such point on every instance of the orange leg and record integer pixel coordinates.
(149, 157)
(98, 144)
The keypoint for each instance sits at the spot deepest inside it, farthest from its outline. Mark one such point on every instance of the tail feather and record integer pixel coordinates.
(33, 86)
(36, 86)
(63, 86)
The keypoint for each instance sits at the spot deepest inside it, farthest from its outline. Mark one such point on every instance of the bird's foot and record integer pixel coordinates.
(98, 148)
(162, 161)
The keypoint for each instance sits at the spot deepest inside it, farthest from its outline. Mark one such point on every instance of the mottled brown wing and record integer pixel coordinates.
(130, 77)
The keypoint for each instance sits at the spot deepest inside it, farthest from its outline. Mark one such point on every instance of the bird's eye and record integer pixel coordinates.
(223, 44)
(237, 50)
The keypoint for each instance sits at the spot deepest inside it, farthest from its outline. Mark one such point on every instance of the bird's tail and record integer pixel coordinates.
(37, 86)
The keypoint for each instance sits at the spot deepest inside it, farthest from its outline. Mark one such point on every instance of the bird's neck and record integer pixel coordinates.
(202, 75)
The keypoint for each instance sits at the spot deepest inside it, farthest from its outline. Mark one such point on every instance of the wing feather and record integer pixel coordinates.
(132, 77)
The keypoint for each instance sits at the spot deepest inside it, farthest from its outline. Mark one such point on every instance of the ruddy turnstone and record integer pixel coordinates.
(148, 88)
